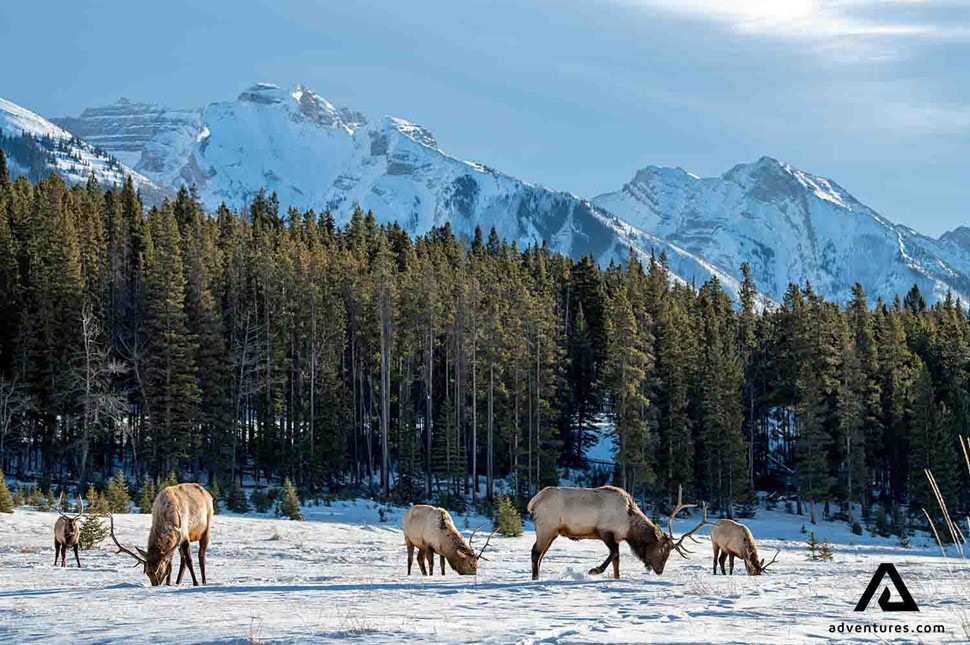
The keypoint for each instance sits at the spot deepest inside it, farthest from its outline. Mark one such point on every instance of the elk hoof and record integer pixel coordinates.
(594, 571)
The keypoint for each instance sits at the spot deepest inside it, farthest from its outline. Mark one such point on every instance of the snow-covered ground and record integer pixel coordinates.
(341, 575)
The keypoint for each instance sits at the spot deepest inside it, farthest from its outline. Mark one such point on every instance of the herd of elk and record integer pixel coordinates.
(431, 531)
(67, 533)
(609, 514)
(181, 514)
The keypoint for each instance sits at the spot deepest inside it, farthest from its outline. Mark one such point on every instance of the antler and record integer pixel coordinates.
(482, 550)
(122, 549)
(765, 566)
(678, 545)
(80, 508)
(60, 500)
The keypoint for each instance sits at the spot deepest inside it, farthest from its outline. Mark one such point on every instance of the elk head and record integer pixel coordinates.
(71, 528)
(654, 552)
(466, 560)
(756, 567)
(156, 562)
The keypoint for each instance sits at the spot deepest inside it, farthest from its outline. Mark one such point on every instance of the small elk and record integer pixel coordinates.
(732, 539)
(608, 514)
(67, 534)
(431, 531)
(181, 514)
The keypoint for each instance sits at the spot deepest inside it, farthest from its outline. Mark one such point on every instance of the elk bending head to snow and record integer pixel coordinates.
(608, 514)
(181, 514)
(733, 539)
(431, 531)
(67, 534)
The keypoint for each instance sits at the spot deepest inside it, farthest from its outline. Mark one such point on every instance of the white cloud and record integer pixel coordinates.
(820, 20)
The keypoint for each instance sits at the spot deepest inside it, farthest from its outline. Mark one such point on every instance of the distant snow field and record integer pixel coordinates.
(341, 576)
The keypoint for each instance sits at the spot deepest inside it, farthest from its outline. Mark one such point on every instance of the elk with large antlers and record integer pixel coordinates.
(732, 539)
(608, 514)
(67, 533)
(181, 514)
(431, 531)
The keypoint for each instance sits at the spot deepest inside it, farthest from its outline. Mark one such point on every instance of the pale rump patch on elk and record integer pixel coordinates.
(181, 514)
(732, 540)
(67, 534)
(431, 531)
(609, 514)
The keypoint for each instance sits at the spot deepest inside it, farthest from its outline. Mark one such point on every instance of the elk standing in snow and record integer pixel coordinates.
(67, 534)
(608, 514)
(431, 531)
(181, 514)
(732, 540)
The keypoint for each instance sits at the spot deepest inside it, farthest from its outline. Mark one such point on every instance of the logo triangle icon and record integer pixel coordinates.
(906, 602)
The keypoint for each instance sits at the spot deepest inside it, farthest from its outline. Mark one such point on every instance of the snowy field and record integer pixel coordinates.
(341, 576)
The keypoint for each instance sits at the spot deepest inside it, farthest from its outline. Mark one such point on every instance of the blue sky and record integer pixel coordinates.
(574, 95)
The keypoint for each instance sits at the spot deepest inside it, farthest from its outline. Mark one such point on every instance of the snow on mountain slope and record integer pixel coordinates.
(36, 147)
(316, 155)
(791, 226)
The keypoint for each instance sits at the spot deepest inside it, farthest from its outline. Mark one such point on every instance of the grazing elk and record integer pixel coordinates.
(67, 534)
(431, 531)
(181, 514)
(608, 514)
(732, 539)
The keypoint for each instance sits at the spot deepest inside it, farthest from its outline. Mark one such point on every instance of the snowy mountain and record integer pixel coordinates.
(316, 155)
(791, 226)
(36, 147)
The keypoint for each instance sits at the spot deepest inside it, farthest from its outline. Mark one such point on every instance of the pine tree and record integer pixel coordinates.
(6, 501)
(117, 494)
(508, 521)
(625, 376)
(146, 498)
(289, 504)
(97, 504)
(92, 532)
(236, 499)
(172, 384)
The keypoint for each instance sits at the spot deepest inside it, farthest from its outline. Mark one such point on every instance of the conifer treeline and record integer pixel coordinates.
(271, 344)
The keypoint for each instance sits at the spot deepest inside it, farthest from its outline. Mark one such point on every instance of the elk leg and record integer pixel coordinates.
(722, 560)
(716, 551)
(188, 563)
(410, 557)
(614, 556)
(77, 557)
(442, 563)
(430, 555)
(538, 552)
(57, 551)
(63, 555)
(731, 565)
(203, 546)
(178, 578)
(421, 558)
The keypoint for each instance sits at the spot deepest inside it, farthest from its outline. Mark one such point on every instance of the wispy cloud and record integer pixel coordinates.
(865, 28)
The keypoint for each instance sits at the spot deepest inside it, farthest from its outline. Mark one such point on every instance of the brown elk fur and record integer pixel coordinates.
(732, 539)
(607, 513)
(67, 535)
(181, 514)
(431, 531)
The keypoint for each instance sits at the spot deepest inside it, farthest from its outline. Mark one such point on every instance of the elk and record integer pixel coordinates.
(181, 514)
(609, 514)
(733, 539)
(431, 531)
(67, 534)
